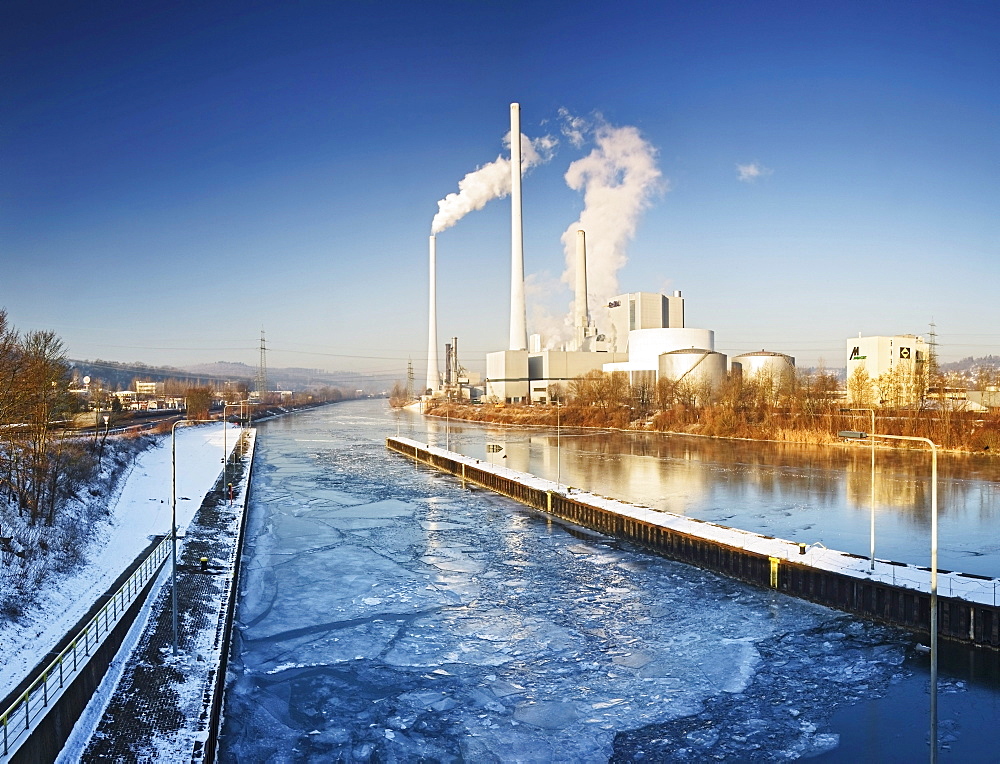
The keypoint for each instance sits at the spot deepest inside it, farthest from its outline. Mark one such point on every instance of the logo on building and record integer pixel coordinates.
(856, 354)
(904, 352)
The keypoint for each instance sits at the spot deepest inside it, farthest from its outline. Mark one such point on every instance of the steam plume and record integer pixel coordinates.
(618, 179)
(491, 181)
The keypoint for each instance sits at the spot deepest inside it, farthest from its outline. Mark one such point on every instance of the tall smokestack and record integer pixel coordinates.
(581, 312)
(518, 322)
(433, 377)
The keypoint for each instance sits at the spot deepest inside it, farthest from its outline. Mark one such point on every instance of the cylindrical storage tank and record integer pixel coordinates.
(703, 370)
(764, 364)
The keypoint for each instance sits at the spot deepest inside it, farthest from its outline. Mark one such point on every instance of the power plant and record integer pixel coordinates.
(641, 333)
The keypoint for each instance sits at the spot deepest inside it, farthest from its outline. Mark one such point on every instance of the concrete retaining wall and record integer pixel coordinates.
(958, 620)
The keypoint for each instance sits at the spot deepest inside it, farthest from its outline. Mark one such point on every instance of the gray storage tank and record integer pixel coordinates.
(703, 369)
(777, 367)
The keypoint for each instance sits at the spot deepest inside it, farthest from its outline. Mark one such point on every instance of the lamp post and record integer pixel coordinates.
(872, 497)
(107, 429)
(558, 449)
(225, 430)
(853, 435)
(173, 517)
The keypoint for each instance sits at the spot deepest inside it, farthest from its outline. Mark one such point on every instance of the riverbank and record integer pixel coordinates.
(963, 434)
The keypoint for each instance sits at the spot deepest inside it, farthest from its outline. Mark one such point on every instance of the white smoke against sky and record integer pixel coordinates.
(491, 181)
(619, 179)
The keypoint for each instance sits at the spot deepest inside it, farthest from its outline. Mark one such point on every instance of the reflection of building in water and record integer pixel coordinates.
(901, 493)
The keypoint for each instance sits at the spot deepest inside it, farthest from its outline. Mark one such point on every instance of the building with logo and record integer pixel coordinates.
(894, 366)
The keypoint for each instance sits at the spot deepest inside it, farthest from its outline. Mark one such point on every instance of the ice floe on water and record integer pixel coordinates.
(413, 619)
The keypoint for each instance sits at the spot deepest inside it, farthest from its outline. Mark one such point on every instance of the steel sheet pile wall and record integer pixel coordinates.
(958, 620)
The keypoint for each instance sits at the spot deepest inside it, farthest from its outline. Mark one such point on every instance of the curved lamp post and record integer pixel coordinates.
(853, 435)
(872, 497)
(225, 430)
(558, 449)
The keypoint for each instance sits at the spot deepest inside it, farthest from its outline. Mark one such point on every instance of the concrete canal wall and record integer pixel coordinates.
(893, 593)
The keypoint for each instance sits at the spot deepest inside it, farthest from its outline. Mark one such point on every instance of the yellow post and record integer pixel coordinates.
(774, 571)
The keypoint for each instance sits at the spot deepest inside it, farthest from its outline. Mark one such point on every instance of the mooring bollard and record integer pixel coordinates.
(204, 565)
(802, 548)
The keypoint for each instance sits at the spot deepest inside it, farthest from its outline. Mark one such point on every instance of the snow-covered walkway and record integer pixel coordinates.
(141, 510)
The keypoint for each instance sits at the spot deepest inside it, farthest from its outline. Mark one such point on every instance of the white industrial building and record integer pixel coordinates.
(641, 310)
(895, 365)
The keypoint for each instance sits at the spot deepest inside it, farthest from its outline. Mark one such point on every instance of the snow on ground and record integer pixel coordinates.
(141, 510)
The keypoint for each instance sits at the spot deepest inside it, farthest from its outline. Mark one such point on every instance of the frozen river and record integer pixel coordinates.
(388, 614)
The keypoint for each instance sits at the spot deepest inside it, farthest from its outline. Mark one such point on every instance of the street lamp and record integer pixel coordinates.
(107, 428)
(173, 517)
(558, 449)
(853, 435)
(872, 497)
(225, 429)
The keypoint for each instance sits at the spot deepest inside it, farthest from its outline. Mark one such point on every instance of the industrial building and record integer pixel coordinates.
(895, 365)
(641, 310)
(642, 334)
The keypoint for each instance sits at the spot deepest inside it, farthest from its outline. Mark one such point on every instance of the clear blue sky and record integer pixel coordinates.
(174, 177)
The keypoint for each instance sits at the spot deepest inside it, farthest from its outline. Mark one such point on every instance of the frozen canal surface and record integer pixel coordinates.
(388, 614)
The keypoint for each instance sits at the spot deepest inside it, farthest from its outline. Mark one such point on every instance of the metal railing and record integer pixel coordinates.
(32, 705)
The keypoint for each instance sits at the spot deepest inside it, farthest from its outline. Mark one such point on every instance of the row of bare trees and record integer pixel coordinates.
(34, 400)
(798, 405)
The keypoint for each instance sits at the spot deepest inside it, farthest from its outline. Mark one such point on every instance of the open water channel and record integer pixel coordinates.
(388, 614)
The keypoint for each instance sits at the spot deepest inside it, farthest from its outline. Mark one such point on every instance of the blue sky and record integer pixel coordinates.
(175, 177)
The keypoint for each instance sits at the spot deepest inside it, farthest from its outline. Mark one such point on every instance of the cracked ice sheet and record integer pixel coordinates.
(472, 629)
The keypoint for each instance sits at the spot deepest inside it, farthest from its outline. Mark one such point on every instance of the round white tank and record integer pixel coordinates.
(698, 367)
(778, 367)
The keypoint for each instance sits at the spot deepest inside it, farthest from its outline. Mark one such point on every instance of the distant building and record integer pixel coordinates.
(551, 368)
(895, 367)
(507, 375)
(520, 376)
(641, 310)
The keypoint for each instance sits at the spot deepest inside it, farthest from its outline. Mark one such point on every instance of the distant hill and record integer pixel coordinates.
(119, 376)
(292, 378)
(115, 376)
(971, 364)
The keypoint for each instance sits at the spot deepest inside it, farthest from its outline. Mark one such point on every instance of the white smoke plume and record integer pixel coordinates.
(619, 179)
(491, 181)
(574, 128)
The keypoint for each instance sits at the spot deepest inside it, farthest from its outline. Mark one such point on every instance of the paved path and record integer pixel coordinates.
(161, 705)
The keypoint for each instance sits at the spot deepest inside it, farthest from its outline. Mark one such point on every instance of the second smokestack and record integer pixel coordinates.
(581, 311)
